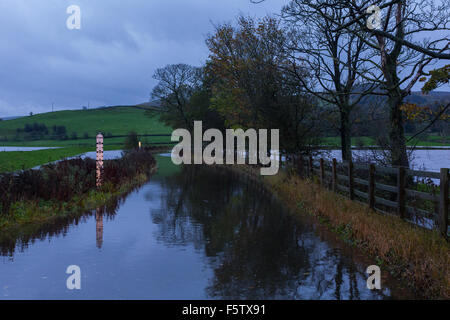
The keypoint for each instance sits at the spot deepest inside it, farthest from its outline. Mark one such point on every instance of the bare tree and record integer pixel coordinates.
(412, 35)
(177, 83)
(334, 59)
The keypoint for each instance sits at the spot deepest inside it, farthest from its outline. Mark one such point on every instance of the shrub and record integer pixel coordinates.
(131, 141)
(59, 132)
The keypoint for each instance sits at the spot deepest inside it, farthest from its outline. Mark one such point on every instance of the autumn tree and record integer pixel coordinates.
(437, 77)
(441, 115)
(252, 89)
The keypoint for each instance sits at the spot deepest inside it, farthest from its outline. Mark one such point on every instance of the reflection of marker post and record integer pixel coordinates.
(99, 228)
(99, 159)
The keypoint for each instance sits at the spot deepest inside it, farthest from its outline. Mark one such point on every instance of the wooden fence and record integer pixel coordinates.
(413, 195)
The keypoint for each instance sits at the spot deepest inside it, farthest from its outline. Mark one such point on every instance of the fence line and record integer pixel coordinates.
(385, 189)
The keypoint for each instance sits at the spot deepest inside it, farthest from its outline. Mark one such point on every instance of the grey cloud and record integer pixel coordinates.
(112, 58)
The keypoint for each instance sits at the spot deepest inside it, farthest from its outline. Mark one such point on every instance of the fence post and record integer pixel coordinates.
(322, 173)
(334, 175)
(372, 186)
(443, 203)
(401, 192)
(350, 180)
(311, 172)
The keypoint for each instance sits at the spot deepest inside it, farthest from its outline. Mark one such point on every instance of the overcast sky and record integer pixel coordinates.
(111, 60)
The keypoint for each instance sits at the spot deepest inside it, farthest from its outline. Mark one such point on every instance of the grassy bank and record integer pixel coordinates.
(36, 196)
(32, 212)
(419, 257)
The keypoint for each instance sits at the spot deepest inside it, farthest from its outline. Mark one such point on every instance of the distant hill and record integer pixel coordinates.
(434, 97)
(155, 103)
(417, 97)
(114, 121)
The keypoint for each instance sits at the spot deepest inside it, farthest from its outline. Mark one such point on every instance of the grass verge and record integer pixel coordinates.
(419, 257)
(32, 212)
(31, 199)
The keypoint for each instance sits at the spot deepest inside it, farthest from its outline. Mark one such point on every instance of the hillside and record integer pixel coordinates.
(110, 121)
(434, 97)
(431, 99)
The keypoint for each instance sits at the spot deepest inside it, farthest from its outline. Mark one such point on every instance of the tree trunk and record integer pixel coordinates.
(346, 143)
(397, 141)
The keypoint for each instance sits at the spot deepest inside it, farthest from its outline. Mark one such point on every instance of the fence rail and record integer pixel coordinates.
(386, 189)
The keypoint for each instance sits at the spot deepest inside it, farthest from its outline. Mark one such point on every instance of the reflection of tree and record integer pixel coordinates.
(257, 251)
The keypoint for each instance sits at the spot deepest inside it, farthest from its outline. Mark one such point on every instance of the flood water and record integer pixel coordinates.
(422, 159)
(189, 233)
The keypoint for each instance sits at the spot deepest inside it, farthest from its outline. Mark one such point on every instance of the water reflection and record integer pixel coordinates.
(256, 249)
(99, 229)
(25, 236)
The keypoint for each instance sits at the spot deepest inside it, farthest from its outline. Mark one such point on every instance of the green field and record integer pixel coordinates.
(17, 160)
(112, 120)
(108, 142)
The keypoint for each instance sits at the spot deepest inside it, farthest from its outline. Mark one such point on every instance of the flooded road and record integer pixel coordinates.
(189, 233)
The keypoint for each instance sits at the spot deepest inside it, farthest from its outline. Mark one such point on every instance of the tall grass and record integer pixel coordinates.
(421, 257)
